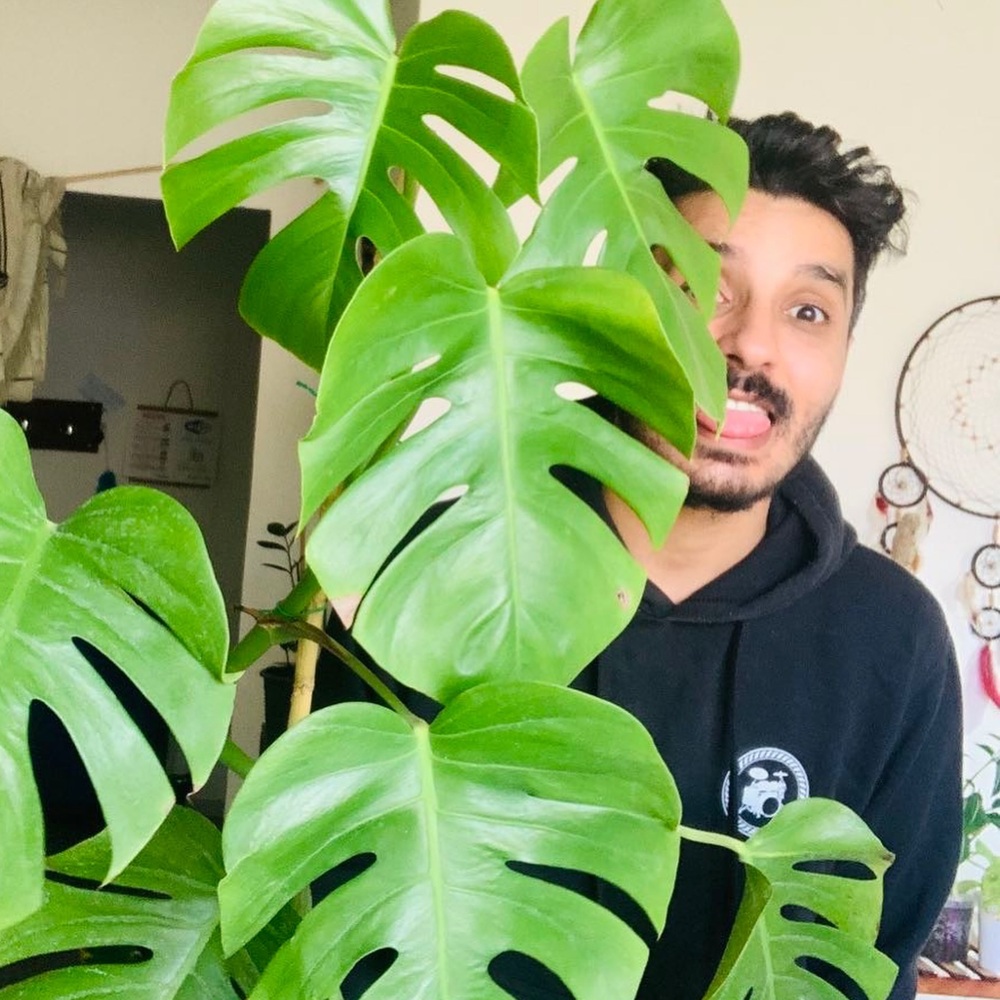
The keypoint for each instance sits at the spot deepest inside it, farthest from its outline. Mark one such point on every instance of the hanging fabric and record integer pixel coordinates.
(31, 241)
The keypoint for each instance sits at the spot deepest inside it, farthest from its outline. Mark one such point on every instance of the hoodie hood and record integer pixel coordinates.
(806, 541)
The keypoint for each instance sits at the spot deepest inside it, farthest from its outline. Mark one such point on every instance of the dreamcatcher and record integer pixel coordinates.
(948, 422)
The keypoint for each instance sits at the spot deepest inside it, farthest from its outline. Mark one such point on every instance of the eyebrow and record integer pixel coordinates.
(821, 271)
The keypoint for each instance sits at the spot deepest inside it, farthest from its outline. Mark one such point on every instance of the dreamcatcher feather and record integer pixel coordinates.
(902, 503)
(948, 423)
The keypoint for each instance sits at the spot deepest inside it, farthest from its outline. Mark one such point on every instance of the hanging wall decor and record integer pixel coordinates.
(30, 242)
(174, 446)
(948, 423)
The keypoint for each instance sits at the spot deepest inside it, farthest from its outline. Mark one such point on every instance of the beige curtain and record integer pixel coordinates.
(30, 242)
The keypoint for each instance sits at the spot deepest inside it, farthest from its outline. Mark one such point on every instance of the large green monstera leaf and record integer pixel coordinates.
(447, 818)
(127, 574)
(519, 571)
(799, 915)
(376, 121)
(594, 109)
(153, 935)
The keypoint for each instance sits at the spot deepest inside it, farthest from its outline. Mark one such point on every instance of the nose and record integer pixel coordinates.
(746, 335)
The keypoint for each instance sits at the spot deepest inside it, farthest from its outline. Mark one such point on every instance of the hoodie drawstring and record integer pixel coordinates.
(732, 656)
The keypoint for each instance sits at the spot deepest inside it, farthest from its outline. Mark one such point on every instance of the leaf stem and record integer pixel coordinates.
(365, 673)
(715, 839)
(993, 758)
(236, 759)
(260, 638)
(299, 629)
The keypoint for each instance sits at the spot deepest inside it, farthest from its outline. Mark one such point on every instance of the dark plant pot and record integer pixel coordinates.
(334, 684)
(949, 940)
(278, 679)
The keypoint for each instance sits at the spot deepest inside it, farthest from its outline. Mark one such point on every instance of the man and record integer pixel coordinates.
(800, 663)
(772, 657)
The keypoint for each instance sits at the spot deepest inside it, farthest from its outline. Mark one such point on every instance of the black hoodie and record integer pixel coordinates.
(815, 666)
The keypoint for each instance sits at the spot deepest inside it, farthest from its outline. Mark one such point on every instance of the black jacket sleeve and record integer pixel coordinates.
(916, 808)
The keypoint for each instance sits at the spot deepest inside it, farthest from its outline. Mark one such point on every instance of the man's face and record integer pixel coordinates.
(782, 321)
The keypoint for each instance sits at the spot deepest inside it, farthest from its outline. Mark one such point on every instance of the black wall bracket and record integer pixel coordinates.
(60, 424)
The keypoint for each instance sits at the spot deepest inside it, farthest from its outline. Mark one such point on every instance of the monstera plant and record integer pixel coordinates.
(438, 833)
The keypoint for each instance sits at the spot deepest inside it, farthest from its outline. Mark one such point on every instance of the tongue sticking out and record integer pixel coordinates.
(745, 423)
(740, 422)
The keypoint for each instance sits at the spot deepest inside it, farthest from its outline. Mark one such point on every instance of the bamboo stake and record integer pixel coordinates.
(306, 657)
(307, 651)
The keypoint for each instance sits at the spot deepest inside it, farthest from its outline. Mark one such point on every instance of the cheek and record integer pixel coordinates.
(816, 376)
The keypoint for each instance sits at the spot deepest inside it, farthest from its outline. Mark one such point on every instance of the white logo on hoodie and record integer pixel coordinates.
(767, 779)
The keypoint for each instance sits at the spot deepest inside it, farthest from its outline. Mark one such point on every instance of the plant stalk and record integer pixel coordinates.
(364, 672)
(306, 656)
(715, 839)
(236, 759)
(299, 629)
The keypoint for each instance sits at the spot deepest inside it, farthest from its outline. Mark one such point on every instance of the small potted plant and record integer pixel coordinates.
(988, 887)
(949, 941)
(283, 540)
(279, 677)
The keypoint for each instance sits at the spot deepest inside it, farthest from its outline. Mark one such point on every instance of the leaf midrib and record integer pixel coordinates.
(386, 89)
(435, 867)
(597, 127)
(13, 603)
(494, 312)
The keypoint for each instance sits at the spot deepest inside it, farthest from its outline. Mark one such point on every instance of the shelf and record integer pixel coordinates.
(962, 979)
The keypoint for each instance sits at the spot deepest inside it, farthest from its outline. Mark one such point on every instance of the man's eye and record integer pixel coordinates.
(721, 298)
(810, 314)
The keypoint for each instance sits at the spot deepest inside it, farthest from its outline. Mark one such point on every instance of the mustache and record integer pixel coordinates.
(758, 386)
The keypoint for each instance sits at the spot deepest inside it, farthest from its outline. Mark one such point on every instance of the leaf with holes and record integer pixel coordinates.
(504, 570)
(153, 935)
(376, 114)
(797, 917)
(508, 774)
(127, 575)
(593, 109)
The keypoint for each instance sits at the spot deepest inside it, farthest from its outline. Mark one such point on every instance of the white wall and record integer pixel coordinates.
(85, 88)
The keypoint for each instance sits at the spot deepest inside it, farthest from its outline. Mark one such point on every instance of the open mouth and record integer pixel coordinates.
(745, 419)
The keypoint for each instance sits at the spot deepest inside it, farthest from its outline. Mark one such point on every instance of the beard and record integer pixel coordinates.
(722, 492)
(731, 495)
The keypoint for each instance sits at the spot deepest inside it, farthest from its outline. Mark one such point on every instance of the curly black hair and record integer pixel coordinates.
(793, 158)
